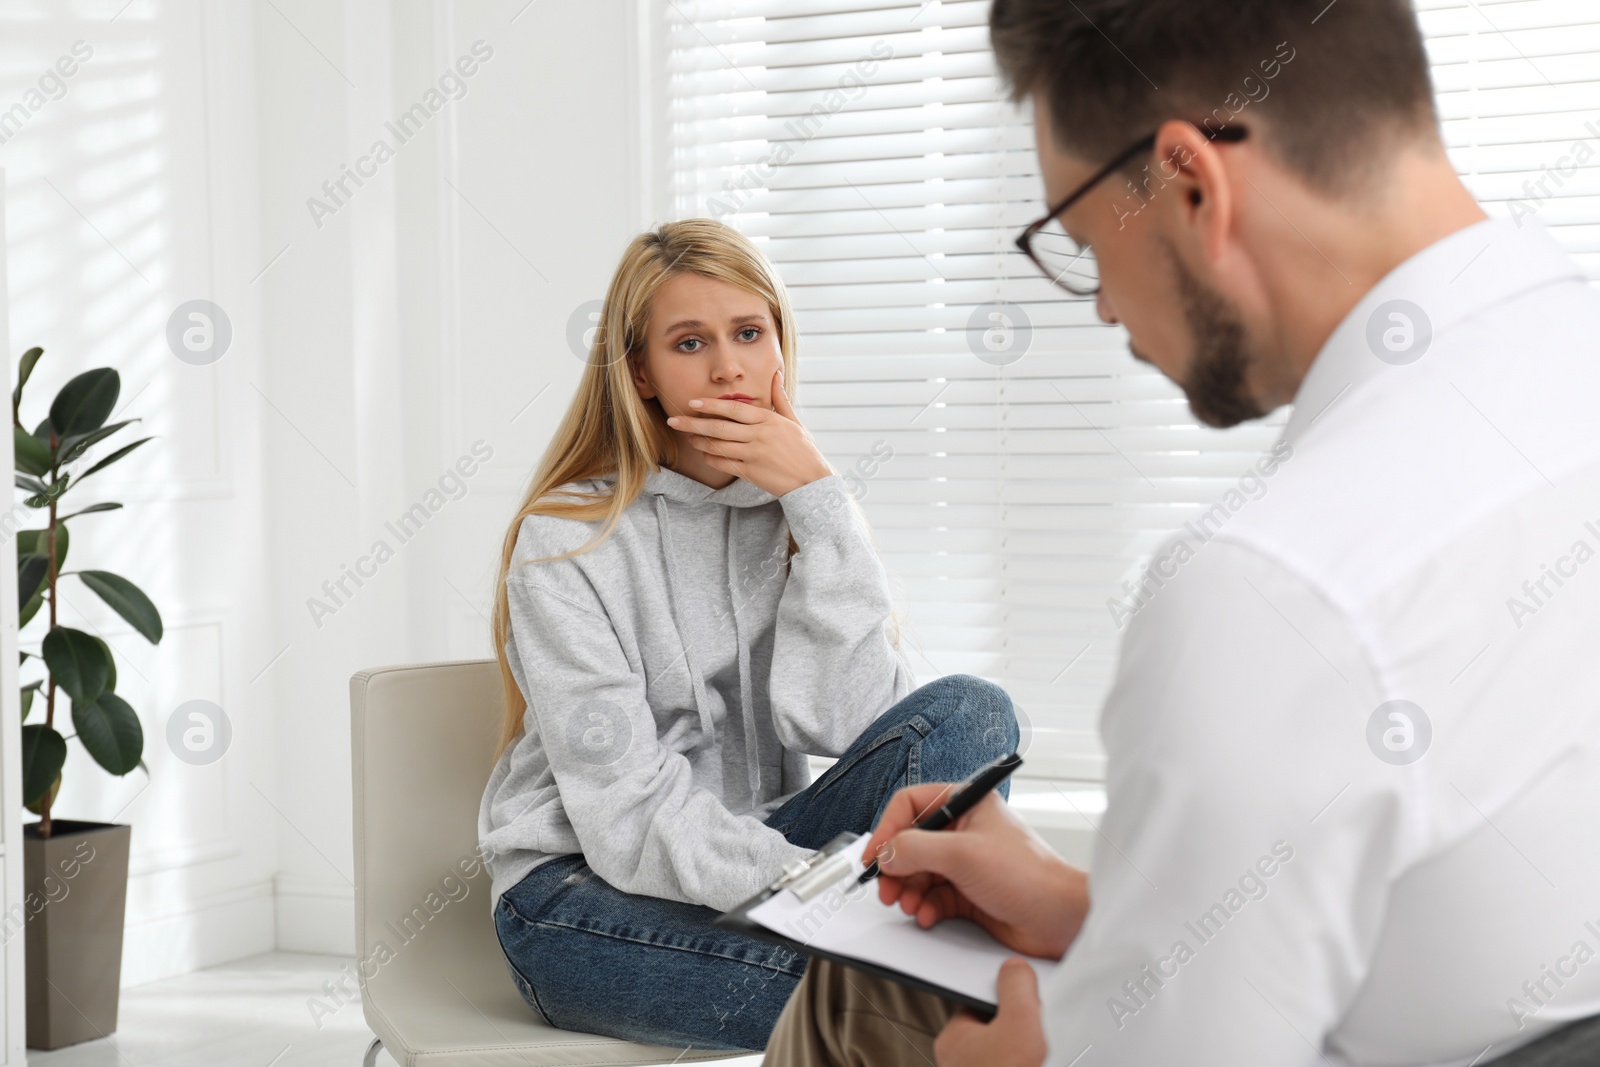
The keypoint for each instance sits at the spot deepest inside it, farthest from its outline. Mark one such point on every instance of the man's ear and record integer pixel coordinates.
(640, 381)
(1201, 208)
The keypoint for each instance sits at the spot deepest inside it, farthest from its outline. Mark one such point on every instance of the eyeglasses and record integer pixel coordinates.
(1063, 260)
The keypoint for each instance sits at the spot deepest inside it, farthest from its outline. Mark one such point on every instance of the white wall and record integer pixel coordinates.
(130, 194)
(427, 315)
(428, 312)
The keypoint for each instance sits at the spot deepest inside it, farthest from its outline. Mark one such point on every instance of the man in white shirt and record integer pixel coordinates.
(1353, 784)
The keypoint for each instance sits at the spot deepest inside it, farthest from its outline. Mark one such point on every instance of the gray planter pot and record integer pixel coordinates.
(76, 883)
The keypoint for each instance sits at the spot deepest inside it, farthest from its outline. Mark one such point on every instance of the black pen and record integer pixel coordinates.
(975, 790)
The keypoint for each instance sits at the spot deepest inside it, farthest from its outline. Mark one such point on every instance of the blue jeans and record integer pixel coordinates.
(596, 960)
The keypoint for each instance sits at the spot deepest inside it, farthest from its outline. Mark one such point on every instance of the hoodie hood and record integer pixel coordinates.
(664, 481)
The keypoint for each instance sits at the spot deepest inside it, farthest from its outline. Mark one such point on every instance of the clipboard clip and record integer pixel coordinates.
(823, 868)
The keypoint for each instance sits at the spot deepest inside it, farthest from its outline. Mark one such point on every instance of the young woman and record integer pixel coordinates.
(689, 604)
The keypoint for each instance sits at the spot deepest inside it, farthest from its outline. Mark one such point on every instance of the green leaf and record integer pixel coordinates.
(38, 543)
(77, 662)
(111, 661)
(108, 506)
(118, 454)
(33, 455)
(31, 484)
(74, 446)
(24, 372)
(32, 570)
(29, 610)
(85, 402)
(37, 807)
(109, 728)
(128, 600)
(51, 492)
(43, 752)
(27, 697)
(43, 431)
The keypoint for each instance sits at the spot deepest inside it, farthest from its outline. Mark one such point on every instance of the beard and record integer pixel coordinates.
(1215, 383)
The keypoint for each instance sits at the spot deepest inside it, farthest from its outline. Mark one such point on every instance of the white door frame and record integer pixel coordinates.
(13, 1012)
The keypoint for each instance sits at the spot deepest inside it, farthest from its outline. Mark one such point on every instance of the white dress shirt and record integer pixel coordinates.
(1292, 869)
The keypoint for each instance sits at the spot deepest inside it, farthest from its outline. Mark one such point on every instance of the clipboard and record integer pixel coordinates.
(823, 878)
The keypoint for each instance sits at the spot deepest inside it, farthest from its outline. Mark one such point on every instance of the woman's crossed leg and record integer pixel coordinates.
(596, 960)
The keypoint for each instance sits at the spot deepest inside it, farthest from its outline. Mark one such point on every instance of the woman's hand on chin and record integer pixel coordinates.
(769, 449)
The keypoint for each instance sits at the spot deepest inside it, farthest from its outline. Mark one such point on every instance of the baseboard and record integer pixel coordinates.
(207, 931)
(315, 917)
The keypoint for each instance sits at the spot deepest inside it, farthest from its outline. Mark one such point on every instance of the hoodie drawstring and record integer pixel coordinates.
(752, 756)
(696, 679)
(675, 598)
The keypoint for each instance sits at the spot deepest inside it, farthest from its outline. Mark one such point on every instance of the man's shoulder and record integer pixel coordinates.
(1404, 466)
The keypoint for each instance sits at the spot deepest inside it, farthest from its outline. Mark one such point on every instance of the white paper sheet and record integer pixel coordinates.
(850, 921)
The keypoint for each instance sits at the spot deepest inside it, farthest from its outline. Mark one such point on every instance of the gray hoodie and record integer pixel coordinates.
(677, 675)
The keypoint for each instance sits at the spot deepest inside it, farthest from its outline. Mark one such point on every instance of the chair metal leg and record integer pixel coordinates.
(371, 1058)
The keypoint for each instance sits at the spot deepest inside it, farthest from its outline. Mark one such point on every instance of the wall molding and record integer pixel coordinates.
(203, 932)
(188, 854)
(312, 916)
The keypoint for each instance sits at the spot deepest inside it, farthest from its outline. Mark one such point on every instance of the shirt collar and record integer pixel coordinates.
(1446, 283)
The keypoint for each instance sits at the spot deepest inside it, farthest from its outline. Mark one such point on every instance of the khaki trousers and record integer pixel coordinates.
(841, 1017)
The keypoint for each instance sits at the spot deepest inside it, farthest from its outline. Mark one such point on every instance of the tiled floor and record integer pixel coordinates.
(250, 1013)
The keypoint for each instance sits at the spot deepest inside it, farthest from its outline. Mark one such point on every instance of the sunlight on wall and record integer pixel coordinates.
(103, 137)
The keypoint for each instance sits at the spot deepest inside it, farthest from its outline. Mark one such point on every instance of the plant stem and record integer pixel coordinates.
(50, 698)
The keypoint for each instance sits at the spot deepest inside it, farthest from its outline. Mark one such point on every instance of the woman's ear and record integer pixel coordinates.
(640, 381)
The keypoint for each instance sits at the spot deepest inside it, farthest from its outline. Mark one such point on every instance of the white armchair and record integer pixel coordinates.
(422, 744)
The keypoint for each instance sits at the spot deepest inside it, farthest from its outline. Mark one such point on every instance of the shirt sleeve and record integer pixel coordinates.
(643, 824)
(1240, 874)
(834, 666)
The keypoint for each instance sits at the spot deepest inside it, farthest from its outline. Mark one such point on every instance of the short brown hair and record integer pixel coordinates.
(1354, 83)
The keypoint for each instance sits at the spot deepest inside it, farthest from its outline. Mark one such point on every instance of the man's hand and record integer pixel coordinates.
(769, 449)
(987, 866)
(1014, 1038)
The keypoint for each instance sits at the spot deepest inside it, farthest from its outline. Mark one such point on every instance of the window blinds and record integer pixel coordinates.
(1518, 87)
(1017, 465)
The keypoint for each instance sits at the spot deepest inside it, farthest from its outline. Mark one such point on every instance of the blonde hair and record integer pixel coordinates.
(609, 428)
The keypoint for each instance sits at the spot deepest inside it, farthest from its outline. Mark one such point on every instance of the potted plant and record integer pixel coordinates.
(75, 873)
